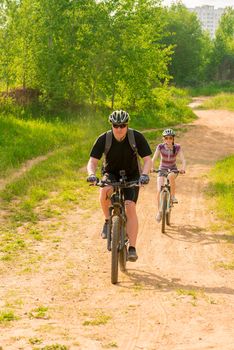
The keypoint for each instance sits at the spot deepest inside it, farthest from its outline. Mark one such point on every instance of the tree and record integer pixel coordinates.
(189, 44)
(222, 59)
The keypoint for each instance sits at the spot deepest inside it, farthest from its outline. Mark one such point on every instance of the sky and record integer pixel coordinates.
(194, 3)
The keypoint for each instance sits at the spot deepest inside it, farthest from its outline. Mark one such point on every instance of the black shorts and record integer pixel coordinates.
(131, 193)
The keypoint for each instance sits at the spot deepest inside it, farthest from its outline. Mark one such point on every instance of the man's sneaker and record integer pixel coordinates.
(104, 229)
(174, 200)
(159, 216)
(132, 255)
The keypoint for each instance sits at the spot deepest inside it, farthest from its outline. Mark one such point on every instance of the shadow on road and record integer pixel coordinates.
(146, 280)
(196, 234)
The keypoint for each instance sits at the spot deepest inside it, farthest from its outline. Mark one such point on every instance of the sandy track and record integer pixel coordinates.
(175, 297)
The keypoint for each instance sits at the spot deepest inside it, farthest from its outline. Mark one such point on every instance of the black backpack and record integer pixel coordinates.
(131, 140)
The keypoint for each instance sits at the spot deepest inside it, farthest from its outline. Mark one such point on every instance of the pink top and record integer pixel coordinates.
(168, 158)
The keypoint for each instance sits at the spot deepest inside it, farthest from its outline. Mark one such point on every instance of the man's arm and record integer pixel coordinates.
(147, 165)
(92, 166)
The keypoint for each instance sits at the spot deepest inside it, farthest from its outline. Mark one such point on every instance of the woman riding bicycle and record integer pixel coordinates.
(168, 151)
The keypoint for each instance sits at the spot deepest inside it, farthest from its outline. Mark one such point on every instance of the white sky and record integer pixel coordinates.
(194, 3)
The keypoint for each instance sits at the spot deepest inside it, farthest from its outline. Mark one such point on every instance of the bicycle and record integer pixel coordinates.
(165, 203)
(117, 240)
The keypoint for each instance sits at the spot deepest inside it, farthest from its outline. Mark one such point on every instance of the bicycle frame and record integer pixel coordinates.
(165, 188)
(117, 208)
(165, 203)
(116, 235)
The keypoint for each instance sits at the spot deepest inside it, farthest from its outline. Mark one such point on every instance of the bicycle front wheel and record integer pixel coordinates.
(115, 249)
(168, 217)
(164, 208)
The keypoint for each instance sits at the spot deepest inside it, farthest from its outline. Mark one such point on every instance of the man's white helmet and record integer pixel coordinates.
(119, 117)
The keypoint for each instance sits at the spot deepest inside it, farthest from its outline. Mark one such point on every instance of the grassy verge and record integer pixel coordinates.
(212, 88)
(220, 101)
(221, 190)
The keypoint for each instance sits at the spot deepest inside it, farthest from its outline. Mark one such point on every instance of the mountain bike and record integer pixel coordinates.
(165, 203)
(117, 239)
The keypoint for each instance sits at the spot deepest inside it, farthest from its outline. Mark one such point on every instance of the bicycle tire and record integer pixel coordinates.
(164, 208)
(168, 218)
(123, 258)
(115, 249)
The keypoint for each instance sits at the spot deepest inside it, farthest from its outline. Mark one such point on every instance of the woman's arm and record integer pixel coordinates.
(155, 156)
(183, 161)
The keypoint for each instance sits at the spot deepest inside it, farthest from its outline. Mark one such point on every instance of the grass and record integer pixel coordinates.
(227, 266)
(7, 316)
(220, 101)
(53, 347)
(221, 190)
(99, 319)
(40, 313)
(213, 88)
(191, 293)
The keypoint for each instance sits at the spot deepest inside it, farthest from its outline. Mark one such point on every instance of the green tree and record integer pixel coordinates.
(189, 44)
(222, 60)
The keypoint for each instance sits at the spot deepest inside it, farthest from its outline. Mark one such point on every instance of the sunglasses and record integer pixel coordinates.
(168, 137)
(121, 126)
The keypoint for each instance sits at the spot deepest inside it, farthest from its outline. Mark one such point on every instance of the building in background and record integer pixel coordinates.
(209, 17)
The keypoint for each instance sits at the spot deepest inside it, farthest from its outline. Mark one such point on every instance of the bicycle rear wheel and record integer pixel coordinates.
(115, 249)
(164, 208)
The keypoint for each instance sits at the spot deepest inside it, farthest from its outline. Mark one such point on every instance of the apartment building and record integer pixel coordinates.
(209, 17)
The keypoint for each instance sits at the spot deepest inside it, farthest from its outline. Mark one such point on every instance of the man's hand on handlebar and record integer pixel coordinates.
(144, 179)
(92, 179)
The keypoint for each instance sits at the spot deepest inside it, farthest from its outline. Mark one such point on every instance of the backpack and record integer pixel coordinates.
(131, 140)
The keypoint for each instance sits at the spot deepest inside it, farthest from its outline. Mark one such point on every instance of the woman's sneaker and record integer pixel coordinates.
(105, 229)
(174, 200)
(132, 255)
(159, 216)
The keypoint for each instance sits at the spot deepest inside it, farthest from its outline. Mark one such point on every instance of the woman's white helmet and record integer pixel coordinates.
(168, 132)
(119, 117)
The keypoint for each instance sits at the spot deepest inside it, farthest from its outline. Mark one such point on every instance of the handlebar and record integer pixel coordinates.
(120, 184)
(166, 172)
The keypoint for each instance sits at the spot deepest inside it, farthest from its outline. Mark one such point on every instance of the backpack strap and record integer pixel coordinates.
(132, 142)
(108, 142)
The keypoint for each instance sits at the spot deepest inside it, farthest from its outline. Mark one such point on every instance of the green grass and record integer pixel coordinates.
(213, 88)
(227, 266)
(53, 347)
(221, 190)
(40, 312)
(220, 101)
(7, 316)
(99, 319)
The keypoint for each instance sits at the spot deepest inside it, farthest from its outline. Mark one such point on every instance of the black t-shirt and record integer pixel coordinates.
(121, 156)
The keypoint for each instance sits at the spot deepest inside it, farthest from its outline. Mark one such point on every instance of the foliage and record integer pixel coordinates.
(190, 45)
(84, 51)
(221, 65)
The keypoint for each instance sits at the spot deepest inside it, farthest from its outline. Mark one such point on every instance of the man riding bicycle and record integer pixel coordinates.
(121, 154)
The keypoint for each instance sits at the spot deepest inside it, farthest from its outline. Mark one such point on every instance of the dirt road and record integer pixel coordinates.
(175, 297)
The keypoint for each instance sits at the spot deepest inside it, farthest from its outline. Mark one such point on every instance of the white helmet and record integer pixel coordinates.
(168, 132)
(119, 117)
